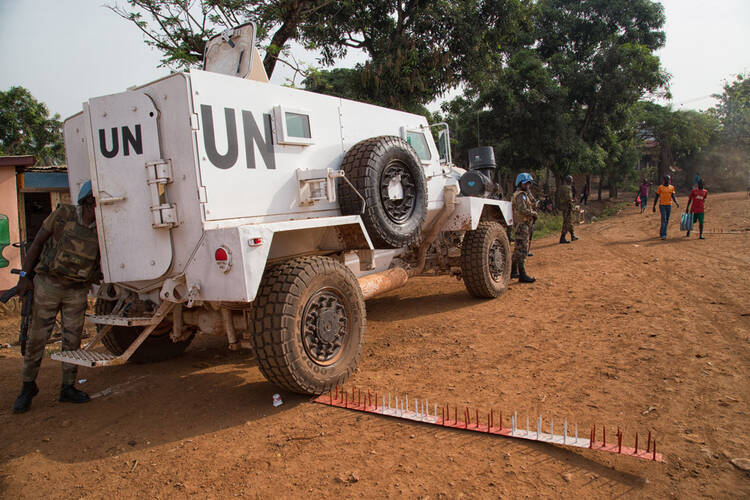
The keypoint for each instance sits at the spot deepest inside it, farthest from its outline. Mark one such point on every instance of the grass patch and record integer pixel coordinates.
(613, 209)
(547, 224)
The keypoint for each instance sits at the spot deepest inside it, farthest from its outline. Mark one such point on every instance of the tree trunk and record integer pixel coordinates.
(286, 32)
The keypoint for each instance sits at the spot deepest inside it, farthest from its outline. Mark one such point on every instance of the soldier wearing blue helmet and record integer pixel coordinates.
(524, 216)
(63, 261)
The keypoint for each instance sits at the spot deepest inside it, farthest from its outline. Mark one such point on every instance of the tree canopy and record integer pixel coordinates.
(550, 84)
(27, 129)
(416, 49)
(563, 99)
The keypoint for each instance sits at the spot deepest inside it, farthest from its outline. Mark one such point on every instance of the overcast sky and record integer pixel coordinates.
(66, 51)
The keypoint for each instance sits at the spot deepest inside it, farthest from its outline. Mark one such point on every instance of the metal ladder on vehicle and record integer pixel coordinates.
(92, 359)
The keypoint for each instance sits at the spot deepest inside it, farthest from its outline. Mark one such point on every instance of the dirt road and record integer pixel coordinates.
(621, 329)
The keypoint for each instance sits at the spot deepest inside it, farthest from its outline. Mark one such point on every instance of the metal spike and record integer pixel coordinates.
(389, 400)
(527, 425)
(565, 431)
(538, 425)
(576, 433)
(552, 428)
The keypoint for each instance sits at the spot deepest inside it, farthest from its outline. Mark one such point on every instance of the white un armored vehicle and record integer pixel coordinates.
(228, 205)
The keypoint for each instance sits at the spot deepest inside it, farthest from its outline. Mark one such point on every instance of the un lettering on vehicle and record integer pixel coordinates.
(222, 142)
(111, 140)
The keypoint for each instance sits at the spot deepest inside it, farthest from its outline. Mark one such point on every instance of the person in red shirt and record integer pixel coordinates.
(698, 200)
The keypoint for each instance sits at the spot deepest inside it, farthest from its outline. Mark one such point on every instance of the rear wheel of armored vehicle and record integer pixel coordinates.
(486, 260)
(157, 347)
(388, 174)
(308, 324)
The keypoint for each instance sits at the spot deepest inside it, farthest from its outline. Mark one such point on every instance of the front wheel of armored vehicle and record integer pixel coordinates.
(308, 324)
(486, 260)
(157, 347)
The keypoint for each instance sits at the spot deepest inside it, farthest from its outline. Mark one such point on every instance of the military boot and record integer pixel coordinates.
(523, 277)
(514, 270)
(23, 401)
(563, 239)
(69, 394)
(573, 236)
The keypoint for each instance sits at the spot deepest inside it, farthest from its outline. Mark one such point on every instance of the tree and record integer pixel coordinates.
(179, 29)
(420, 48)
(27, 129)
(733, 111)
(417, 49)
(727, 162)
(682, 136)
(562, 101)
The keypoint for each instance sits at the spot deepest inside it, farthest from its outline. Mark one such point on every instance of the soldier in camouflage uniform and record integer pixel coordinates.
(524, 216)
(65, 260)
(565, 203)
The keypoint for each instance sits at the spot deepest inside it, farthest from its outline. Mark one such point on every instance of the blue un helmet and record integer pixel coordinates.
(85, 191)
(523, 178)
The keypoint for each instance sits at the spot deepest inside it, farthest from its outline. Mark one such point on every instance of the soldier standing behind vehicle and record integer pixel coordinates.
(524, 216)
(65, 259)
(565, 202)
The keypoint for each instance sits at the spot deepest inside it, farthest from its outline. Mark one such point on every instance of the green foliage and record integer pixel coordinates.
(612, 209)
(27, 129)
(547, 224)
(563, 96)
(179, 29)
(417, 50)
(733, 111)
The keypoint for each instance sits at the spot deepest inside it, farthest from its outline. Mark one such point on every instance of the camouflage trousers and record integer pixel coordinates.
(567, 214)
(522, 233)
(49, 298)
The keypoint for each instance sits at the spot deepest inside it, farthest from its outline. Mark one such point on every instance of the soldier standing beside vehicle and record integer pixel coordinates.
(565, 202)
(65, 260)
(524, 216)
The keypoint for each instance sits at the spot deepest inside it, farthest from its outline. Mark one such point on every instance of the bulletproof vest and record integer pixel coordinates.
(71, 254)
(518, 202)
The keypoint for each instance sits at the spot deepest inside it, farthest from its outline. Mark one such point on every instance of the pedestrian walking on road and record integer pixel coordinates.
(665, 197)
(565, 203)
(643, 194)
(65, 260)
(698, 200)
(524, 216)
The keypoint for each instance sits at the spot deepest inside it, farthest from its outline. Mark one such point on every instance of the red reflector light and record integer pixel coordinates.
(221, 255)
(254, 242)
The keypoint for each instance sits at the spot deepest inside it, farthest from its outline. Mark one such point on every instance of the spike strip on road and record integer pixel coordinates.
(443, 417)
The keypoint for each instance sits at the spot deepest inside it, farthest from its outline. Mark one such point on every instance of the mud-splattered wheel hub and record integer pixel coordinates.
(397, 192)
(325, 326)
(496, 260)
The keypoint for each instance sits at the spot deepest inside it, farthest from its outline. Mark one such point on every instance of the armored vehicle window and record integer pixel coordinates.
(297, 125)
(419, 143)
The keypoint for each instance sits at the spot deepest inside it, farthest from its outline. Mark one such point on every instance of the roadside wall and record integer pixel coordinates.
(9, 207)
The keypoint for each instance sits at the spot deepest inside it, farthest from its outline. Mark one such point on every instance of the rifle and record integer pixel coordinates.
(28, 301)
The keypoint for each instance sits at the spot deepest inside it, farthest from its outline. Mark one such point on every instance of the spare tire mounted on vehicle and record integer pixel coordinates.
(388, 173)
